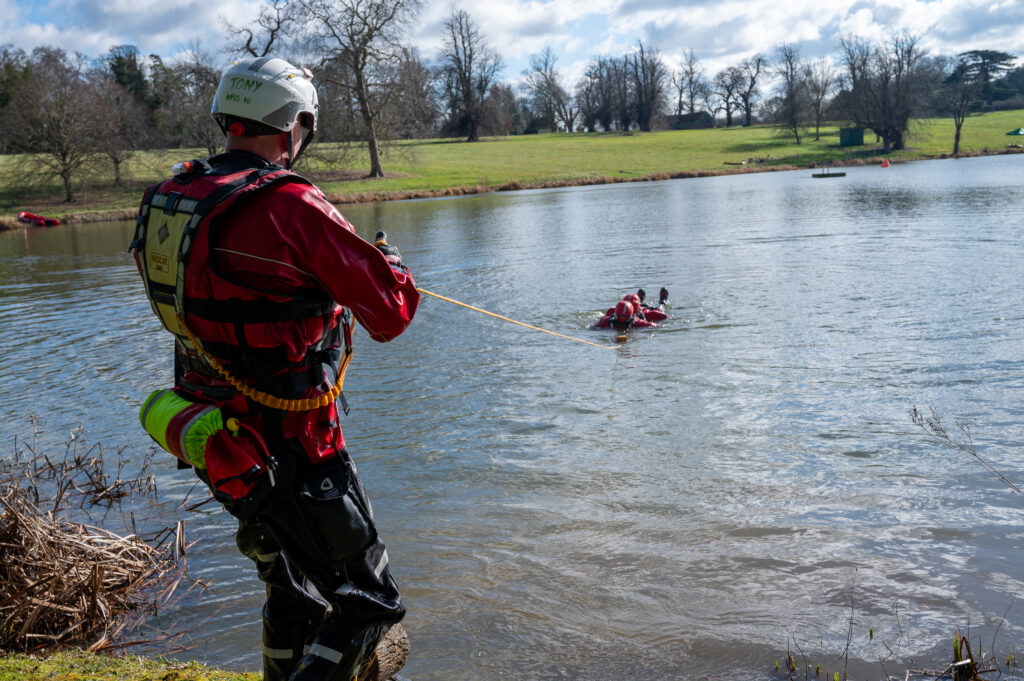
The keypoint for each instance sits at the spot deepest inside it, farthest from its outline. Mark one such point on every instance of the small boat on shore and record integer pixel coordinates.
(37, 220)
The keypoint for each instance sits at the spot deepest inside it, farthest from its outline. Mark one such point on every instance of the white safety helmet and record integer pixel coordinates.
(269, 92)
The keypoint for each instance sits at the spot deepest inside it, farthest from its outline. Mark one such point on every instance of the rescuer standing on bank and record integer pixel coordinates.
(259, 277)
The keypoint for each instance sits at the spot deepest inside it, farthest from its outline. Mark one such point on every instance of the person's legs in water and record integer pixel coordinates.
(326, 533)
(291, 614)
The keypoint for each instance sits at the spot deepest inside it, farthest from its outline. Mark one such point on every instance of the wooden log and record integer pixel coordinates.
(389, 657)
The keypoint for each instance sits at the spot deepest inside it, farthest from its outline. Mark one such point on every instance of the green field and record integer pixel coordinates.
(80, 666)
(438, 167)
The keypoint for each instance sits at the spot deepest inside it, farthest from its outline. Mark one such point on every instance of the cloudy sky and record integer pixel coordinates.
(720, 32)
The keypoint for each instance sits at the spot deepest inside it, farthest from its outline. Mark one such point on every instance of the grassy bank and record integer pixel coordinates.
(82, 666)
(446, 168)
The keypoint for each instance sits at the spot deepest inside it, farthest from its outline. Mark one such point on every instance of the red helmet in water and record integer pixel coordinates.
(624, 311)
(634, 299)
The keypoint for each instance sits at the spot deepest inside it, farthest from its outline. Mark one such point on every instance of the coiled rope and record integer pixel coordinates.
(266, 399)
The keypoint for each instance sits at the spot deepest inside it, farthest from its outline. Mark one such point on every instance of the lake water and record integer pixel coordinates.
(743, 481)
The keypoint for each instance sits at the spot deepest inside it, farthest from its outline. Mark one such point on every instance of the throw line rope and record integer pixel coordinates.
(513, 321)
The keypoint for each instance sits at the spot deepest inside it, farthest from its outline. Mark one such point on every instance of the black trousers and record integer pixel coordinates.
(330, 594)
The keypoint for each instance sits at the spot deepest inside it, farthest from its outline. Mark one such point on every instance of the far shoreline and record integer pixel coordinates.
(8, 223)
(429, 169)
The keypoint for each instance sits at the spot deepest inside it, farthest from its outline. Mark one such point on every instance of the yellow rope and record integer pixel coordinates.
(266, 399)
(308, 404)
(506, 319)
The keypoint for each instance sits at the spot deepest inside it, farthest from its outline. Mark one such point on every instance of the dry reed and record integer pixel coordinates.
(64, 582)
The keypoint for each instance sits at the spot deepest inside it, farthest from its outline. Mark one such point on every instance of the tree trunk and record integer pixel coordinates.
(376, 170)
(117, 172)
(956, 139)
(389, 657)
(363, 95)
(69, 193)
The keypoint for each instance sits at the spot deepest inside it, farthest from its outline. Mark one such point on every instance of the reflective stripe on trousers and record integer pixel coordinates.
(327, 606)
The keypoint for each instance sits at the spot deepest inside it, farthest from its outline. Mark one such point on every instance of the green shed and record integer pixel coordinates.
(851, 137)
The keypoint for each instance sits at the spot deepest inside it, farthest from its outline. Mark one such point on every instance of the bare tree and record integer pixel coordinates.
(55, 116)
(468, 69)
(360, 39)
(884, 86)
(725, 88)
(544, 84)
(819, 79)
(792, 92)
(650, 77)
(270, 27)
(623, 97)
(540, 81)
(603, 95)
(414, 112)
(120, 121)
(959, 90)
(750, 71)
(588, 97)
(194, 81)
(692, 87)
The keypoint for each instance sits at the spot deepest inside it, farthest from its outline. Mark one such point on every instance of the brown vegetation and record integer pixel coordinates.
(65, 582)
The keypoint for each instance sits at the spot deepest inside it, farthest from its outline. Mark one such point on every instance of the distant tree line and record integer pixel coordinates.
(68, 109)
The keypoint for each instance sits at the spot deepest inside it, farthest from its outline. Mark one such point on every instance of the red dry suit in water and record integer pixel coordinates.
(271, 275)
(653, 314)
(608, 321)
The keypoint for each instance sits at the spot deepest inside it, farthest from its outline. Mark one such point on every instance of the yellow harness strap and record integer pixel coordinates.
(266, 399)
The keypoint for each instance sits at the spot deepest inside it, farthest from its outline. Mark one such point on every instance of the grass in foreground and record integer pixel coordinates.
(82, 666)
(419, 167)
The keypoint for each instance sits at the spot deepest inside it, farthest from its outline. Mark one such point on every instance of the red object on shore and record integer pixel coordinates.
(37, 220)
(885, 163)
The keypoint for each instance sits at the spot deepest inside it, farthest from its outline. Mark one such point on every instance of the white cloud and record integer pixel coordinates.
(163, 27)
(861, 23)
(720, 32)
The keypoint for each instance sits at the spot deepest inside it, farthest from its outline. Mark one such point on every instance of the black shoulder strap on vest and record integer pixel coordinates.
(139, 237)
(206, 205)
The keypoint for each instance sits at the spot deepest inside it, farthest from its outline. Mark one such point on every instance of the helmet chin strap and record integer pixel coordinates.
(286, 137)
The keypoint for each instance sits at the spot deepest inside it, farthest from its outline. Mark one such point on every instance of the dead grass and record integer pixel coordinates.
(64, 582)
